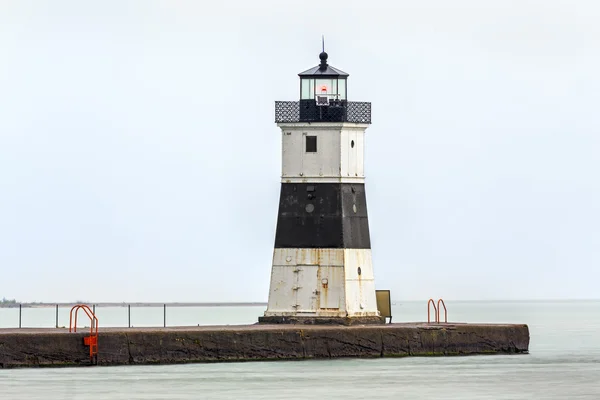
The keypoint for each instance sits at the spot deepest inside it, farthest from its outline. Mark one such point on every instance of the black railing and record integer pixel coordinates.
(308, 111)
(109, 313)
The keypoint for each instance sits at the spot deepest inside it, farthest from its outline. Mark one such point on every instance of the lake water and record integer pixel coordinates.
(564, 361)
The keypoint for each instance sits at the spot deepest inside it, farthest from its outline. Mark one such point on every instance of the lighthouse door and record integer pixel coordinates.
(331, 287)
(306, 298)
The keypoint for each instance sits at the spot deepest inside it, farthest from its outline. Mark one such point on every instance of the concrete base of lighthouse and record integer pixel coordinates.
(299, 320)
(322, 286)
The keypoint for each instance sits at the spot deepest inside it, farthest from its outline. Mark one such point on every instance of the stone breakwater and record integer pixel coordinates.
(136, 346)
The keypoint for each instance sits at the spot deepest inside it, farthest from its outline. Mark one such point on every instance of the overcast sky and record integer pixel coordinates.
(139, 159)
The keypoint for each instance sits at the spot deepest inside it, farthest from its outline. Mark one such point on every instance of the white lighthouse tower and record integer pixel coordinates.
(322, 270)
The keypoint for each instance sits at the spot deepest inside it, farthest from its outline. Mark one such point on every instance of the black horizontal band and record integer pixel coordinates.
(322, 215)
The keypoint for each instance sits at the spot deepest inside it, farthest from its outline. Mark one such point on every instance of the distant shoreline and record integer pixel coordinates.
(137, 304)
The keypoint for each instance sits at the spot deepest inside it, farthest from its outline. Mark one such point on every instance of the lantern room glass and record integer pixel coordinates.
(342, 89)
(332, 87)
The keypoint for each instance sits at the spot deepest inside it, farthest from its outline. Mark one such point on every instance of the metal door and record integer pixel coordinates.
(305, 287)
(331, 287)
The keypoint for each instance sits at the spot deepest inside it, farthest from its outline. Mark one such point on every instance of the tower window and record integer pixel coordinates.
(311, 144)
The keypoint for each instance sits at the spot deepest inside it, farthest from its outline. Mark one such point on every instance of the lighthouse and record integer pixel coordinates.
(322, 270)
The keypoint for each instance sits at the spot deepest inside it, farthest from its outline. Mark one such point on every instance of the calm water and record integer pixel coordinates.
(564, 362)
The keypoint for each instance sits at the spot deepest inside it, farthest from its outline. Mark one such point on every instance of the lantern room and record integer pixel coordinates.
(323, 98)
(323, 81)
(323, 91)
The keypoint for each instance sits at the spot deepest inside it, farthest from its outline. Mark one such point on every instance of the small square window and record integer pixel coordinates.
(311, 144)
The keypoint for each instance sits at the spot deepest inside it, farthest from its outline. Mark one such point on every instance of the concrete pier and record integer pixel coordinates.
(136, 346)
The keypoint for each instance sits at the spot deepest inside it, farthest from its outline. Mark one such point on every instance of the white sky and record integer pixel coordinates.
(139, 160)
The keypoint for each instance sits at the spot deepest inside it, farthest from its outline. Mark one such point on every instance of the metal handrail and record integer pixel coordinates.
(89, 313)
(435, 313)
(92, 340)
(439, 309)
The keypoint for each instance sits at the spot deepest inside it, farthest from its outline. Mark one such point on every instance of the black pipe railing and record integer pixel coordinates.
(49, 312)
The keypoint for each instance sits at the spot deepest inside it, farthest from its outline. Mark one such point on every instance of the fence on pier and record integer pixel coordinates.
(131, 315)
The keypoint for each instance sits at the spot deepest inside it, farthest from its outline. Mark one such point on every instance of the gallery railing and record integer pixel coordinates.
(336, 111)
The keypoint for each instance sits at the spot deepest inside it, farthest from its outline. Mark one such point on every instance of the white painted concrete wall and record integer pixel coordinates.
(352, 157)
(360, 289)
(336, 160)
(322, 282)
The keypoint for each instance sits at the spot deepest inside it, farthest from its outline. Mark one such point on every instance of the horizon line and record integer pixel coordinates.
(247, 303)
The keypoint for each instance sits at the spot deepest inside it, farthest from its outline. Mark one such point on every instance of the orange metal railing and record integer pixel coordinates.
(440, 301)
(436, 311)
(92, 340)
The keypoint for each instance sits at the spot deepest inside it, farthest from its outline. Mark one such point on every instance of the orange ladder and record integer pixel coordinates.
(436, 311)
(92, 340)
